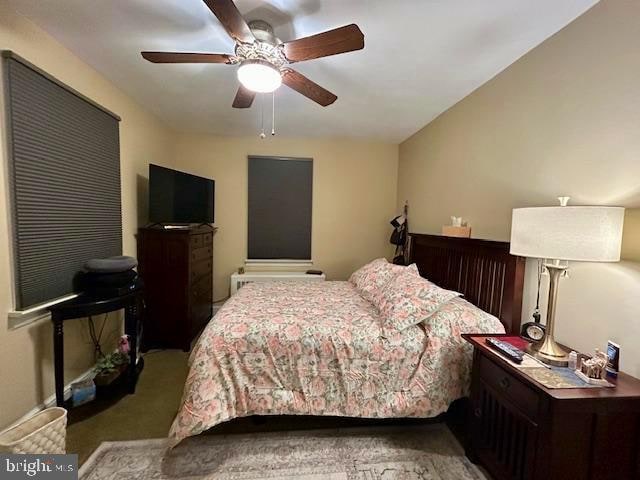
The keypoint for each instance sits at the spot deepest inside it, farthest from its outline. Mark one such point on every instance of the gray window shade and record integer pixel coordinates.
(65, 182)
(280, 198)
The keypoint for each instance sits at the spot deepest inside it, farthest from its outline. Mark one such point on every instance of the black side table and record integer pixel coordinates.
(84, 306)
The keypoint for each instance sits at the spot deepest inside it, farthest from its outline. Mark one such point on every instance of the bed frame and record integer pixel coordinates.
(482, 270)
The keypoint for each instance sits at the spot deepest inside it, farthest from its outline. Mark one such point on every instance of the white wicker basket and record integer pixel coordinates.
(45, 432)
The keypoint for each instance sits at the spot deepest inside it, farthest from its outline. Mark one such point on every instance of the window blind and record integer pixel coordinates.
(64, 173)
(280, 203)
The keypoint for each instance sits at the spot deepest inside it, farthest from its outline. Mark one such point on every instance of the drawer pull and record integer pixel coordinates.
(477, 412)
(505, 383)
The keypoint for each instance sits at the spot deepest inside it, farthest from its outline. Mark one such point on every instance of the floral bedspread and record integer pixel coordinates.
(317, 348)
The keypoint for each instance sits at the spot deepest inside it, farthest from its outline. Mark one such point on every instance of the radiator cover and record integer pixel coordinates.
(240, 279)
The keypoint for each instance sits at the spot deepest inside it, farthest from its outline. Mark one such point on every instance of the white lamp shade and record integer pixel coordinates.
(582, 234)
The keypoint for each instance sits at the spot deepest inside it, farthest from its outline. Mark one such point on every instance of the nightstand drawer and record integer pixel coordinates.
(513, 389)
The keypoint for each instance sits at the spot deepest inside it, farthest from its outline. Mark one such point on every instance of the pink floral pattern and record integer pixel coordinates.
(371, 279)
(409, 299)
(318, 348)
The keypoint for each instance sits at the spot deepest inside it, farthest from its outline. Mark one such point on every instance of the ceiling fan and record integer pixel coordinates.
(264, 60)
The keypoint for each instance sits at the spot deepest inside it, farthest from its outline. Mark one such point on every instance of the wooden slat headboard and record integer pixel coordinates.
(482, 270)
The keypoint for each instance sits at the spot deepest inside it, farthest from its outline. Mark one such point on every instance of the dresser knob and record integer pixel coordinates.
(477, 412)
(504, 383)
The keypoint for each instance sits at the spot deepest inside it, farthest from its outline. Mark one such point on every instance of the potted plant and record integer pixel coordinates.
(109, 367)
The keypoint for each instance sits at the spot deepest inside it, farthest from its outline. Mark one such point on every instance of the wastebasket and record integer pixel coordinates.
(45, 432)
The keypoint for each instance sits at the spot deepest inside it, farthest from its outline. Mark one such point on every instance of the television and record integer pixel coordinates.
(179, 198)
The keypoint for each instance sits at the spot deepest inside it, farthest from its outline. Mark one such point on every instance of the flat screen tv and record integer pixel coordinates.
(179, 198)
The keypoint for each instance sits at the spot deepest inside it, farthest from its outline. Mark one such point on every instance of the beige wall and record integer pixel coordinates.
(354, 192)
(631, 237)
(25, 354)
(563, 120)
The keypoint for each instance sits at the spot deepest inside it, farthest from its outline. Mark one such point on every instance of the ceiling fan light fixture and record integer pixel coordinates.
(259, 76)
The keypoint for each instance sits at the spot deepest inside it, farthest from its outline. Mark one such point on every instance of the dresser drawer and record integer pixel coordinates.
(197, 241)
(201, 254)
(202, 290)
(510, 387)
(200, 269)
(201, 303)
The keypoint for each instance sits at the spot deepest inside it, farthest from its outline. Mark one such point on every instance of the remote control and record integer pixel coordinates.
(512, 353)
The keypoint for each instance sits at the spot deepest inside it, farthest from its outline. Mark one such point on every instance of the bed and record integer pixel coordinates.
(320, 348)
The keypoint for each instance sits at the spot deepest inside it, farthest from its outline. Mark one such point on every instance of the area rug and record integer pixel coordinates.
(428, 452)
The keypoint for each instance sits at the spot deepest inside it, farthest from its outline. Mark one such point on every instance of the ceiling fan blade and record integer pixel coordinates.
(231, 19)
(332, 42)
(308, 88)
(184, 57)
(244, 98)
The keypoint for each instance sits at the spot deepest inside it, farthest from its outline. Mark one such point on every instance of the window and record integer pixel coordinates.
(280, 202)
(64, 174)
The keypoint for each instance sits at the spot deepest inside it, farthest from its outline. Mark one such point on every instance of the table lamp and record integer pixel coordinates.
(559, 235)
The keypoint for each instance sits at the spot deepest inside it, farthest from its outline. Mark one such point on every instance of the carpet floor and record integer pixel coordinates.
(149, 412)
(146, 414)
(427, 452)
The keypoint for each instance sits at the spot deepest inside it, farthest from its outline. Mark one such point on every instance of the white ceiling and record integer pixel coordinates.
(420, 57)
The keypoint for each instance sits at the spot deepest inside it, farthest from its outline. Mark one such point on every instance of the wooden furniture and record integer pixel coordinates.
(482, 270)
(521, 430)
(177, 268)
(84, 306)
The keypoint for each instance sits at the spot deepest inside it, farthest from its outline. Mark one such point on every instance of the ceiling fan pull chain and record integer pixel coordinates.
(273, 113)
(262, 134)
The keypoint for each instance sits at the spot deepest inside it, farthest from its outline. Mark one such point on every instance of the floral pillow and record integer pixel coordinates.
(410, 299)
(376, 295)
(459, 316)
(371, 280)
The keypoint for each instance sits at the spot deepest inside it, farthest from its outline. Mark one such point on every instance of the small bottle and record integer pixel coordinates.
(573, 360)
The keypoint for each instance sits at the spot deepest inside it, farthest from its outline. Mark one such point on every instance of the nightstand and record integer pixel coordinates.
(520, 430)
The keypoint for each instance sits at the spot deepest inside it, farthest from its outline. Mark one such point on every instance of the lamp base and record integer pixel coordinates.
(549, 352)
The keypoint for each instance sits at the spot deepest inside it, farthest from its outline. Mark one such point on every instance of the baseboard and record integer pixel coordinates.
(50, 401)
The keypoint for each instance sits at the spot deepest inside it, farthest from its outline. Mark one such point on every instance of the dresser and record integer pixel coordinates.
(176, 266)
(520, 430)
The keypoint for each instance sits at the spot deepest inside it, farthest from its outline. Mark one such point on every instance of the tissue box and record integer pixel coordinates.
(83, 392)
(451, 231)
